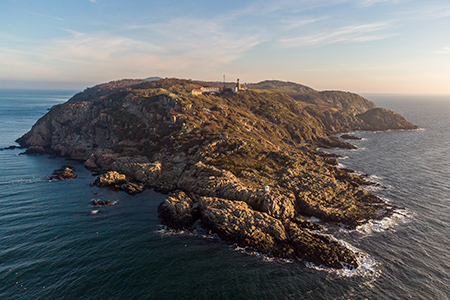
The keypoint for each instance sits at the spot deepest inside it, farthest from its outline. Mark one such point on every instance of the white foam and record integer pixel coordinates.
(375, 188)
(265, 257)
(358, 149)
(94, 212)
(376, 178)
(198, 231)
(367, 265)
(25, 181)
(400, 216)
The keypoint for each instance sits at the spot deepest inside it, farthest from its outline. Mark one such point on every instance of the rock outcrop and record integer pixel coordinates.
(119, 182)
(64, 173)
(237, 222)
(178, 211)
(383, 119)
(217, 153)
(350, 137)
(96, 202)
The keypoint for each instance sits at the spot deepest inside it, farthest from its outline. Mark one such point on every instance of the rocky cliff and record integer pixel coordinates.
(244, 164)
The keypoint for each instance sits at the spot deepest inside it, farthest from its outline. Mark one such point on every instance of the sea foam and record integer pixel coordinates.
(400, 216)
(367, 265)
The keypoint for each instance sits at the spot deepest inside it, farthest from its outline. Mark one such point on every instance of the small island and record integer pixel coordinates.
(243, 161)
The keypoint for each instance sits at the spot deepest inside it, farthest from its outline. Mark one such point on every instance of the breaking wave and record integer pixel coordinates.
(400, 216)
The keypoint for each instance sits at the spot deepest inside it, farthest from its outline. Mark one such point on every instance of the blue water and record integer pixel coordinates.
(52, 247)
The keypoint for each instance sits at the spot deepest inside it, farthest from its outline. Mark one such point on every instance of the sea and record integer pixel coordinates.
(55, 245)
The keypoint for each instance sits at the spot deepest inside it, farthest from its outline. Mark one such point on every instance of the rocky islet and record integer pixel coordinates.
(217, 153)
(64, 173)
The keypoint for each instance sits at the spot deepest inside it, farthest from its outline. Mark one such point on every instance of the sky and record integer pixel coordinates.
(363, 46)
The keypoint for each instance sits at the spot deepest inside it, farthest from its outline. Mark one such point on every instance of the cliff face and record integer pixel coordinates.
(222, 151)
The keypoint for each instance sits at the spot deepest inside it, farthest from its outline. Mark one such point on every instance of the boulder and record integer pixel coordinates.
(110, 179)
(64, 173)
(119, 182)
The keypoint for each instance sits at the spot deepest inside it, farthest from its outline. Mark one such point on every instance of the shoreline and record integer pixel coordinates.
(244, 163)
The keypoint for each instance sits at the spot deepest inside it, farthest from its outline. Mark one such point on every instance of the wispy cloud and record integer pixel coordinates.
(44, 15)
(368, 3)
(98, 47)
(293, 23)
(445, 51)
(180, 44)
(427, 11)
(209, 38)
(348, 34)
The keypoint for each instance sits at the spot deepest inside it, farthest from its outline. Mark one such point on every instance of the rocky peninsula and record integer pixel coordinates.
(245, 164)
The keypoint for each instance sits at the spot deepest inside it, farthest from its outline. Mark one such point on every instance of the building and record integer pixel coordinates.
(205, 91)
(210, 90)
(196, 92)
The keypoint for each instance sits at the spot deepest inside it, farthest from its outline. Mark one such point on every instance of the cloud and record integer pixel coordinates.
(437, 12)
(181, 44)
(445, 51)
(210, 39)
(293, 23)
(368, 3)
(98, 47)
(348, 34)
(197, 44)
(427, 11)
(44, 15)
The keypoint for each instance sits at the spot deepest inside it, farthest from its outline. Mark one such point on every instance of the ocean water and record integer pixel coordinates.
(53, 247)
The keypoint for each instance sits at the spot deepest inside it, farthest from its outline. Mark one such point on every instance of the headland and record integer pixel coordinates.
(243, 161)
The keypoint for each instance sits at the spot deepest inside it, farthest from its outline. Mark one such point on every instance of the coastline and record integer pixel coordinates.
(129, 245)
(217, 158)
